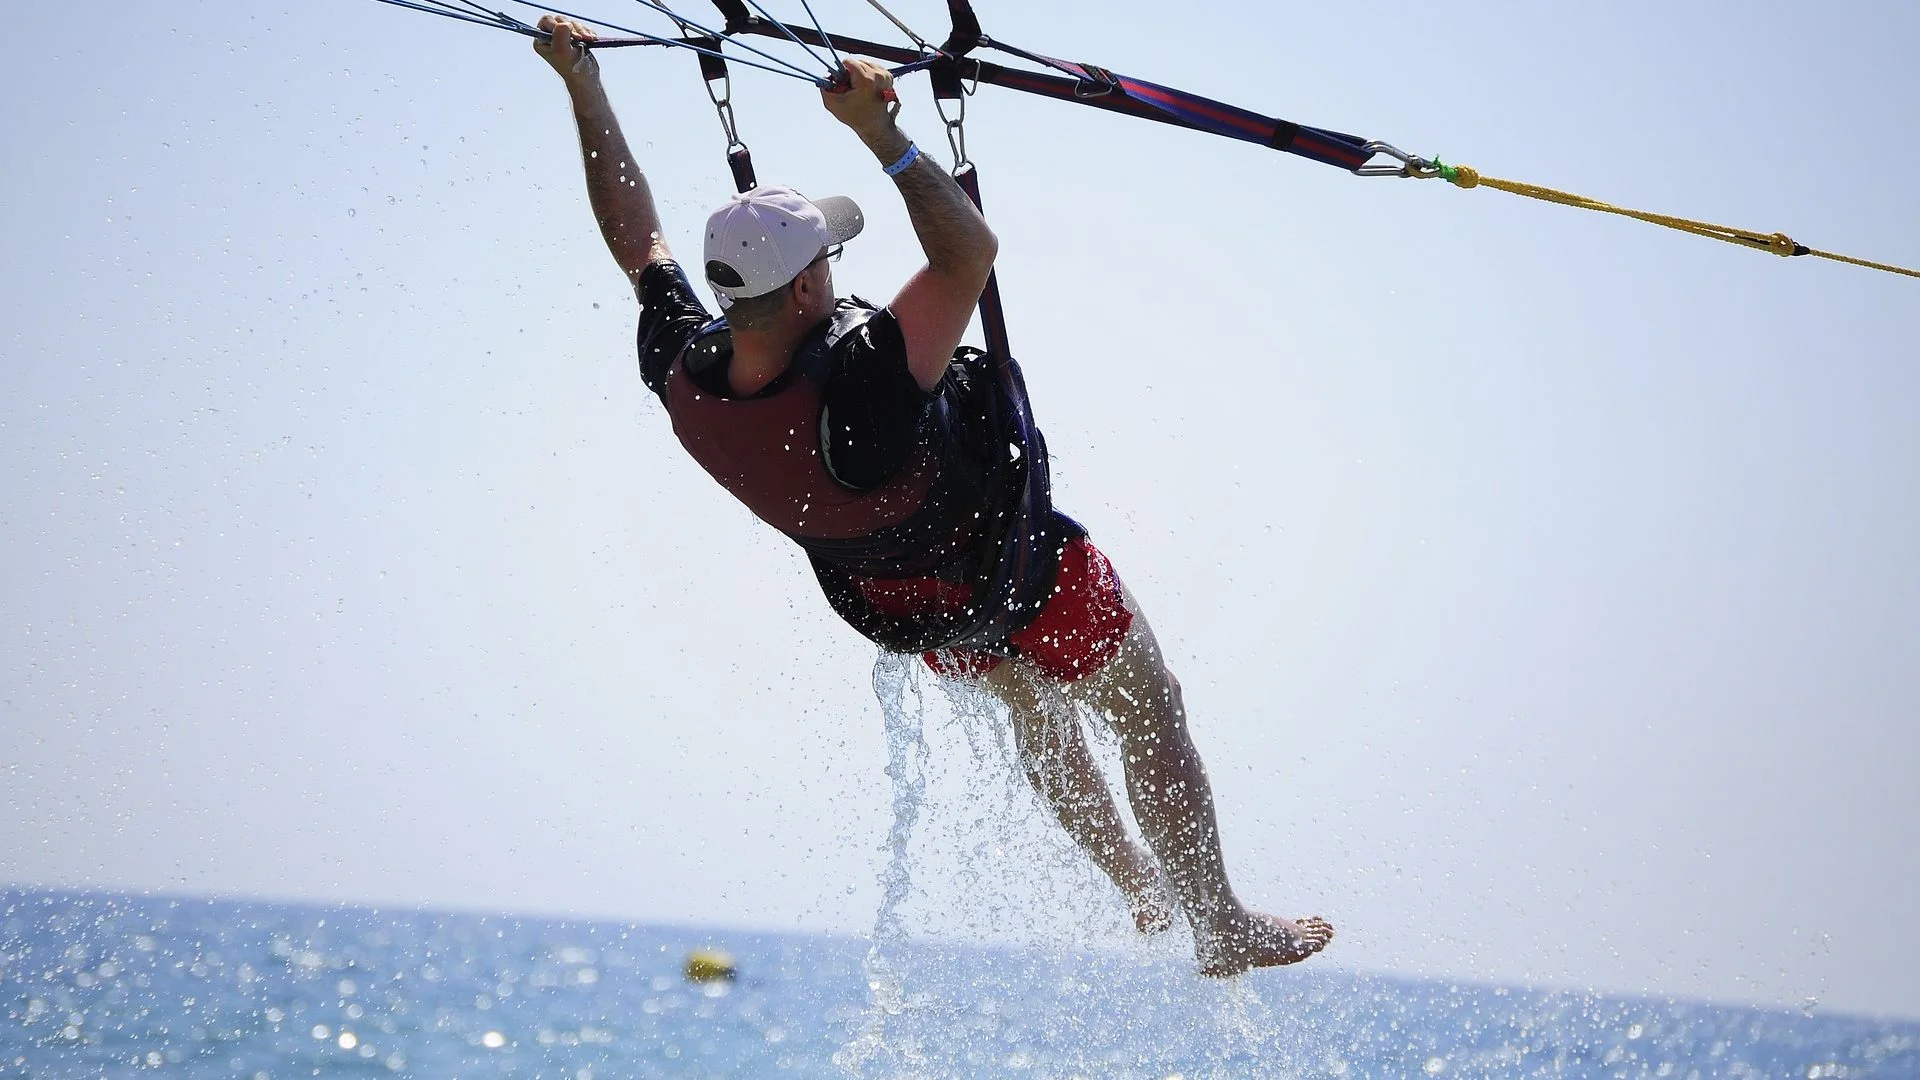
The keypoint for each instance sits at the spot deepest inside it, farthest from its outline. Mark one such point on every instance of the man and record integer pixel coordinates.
(908, 470)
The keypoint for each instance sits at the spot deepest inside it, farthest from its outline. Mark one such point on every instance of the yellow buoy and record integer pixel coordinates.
(709, 965)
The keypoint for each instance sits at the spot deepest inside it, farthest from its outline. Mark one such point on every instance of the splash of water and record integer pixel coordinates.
(1003, 871)
(903, 705)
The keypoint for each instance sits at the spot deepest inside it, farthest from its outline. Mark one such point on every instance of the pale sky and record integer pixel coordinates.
(1543, 584)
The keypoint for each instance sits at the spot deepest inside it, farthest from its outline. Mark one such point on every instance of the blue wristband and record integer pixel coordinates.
(906, 160)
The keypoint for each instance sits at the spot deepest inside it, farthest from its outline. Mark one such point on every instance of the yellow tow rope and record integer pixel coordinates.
(1465, 176)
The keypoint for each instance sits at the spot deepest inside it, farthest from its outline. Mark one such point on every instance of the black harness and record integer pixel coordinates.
(1013, 563)
(986, 519)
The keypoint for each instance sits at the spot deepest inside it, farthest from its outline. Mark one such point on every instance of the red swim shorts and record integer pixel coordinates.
(1080, 628)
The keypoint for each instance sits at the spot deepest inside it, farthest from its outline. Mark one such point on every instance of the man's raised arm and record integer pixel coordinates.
(936, 303)
(622, 201)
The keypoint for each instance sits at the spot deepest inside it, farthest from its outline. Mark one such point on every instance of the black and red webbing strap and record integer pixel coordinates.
(1149, 101)
(1084, 84)
(1081, 84)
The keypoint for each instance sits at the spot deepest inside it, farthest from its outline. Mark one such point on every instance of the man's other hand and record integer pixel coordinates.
(864, 99)
(564, 51)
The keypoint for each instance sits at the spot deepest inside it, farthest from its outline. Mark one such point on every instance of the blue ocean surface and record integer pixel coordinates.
(98, 985)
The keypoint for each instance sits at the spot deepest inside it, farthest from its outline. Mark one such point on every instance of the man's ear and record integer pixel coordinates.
(803, 290)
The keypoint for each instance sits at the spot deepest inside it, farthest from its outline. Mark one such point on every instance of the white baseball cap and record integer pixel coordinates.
(762, 239)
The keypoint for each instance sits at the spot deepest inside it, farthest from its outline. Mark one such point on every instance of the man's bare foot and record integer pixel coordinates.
(1249, 939)
(1150, 899)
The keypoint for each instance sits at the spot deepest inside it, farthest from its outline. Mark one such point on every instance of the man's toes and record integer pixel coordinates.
(1318, 931)
(1152, 919)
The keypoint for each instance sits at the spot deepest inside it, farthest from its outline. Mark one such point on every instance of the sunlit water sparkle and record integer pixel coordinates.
(95, 985)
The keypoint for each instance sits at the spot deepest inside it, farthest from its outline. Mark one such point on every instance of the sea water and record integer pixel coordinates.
(95, 985)
(100, 985)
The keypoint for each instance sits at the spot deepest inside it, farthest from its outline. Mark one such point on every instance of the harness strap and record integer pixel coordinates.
(1028, 558)
(966, 34)
(740, 163)
(713, 70)
(993, 318)
(735, 13)
(944, 76)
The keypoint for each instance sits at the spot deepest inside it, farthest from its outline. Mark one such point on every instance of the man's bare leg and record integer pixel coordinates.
(1167, 785)
(1055, 759)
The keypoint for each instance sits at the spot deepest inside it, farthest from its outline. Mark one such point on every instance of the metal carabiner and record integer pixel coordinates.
(723, 105)
(956, 131)
(1411, 166)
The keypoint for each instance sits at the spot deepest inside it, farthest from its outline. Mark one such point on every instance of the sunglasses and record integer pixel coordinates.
(831, 254)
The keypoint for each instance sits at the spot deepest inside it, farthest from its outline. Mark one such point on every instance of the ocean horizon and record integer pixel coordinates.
(103, 984)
